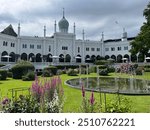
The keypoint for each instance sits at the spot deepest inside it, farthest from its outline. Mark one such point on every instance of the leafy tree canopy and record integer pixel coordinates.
(141, 44)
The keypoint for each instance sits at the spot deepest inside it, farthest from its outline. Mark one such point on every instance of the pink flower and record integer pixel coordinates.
(83, 91)
(5, 101)
(92, 98)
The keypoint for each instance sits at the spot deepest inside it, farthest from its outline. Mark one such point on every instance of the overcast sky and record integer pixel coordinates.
(94, 16)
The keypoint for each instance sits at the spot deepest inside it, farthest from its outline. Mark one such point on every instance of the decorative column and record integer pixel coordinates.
(55, 25)
(83, 46)
(18, 46)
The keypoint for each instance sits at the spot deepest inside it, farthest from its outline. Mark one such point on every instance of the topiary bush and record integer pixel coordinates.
(9, 74)
(3, 74)
(111, 69)
(72, 72)
(51, 69)
(30, 76)
(1, 65)
(103, 72)
(21, 69)
(139, 71)
(47, 73)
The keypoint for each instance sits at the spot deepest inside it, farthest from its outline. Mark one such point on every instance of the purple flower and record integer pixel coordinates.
(92, 98)
(83, 91)
(5, 101)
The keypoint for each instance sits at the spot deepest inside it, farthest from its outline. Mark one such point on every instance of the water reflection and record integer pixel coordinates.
(113, 85)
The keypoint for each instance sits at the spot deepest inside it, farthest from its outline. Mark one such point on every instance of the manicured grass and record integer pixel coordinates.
(73, 97)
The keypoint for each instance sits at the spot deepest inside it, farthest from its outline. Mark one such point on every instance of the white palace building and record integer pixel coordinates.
(61, 48)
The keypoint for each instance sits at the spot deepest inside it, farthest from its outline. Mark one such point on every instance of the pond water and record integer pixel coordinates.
(112, 85)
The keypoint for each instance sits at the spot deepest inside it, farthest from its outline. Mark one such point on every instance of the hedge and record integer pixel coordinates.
(3, 74)
(21, 69)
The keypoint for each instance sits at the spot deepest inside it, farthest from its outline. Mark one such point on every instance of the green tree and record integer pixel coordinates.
(141, 44)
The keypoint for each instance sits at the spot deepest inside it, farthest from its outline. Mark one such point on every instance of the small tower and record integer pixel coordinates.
(19, 29)
(83, 35)
(44, 31)
(74, 29)
(124, 35)
(55, 27)
(102, 39)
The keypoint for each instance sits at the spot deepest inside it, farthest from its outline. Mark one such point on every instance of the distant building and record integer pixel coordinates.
(62, 47)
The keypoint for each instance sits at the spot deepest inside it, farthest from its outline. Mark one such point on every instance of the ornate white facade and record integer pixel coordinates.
(62, 47)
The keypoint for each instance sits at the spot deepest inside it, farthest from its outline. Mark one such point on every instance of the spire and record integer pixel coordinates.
(83, 33)
(44, 31)
(63, 13)
(74, 29)
(18, 29)
(102, 37)
(55, 27)
(124, 36)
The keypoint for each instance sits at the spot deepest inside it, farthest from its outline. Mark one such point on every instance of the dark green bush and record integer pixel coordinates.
(21, 69)
(3, 74)
(102, 66)
(1, 65)
(51, 69)
(101, 62)
(59, 72)
(30, 76)
(147, 69)
(111, 69)
(147, 66)
(103, 72)
(72, 72)
(46, 73)
(9, 74)
(138, 71)
(39, 73)
(92, 69)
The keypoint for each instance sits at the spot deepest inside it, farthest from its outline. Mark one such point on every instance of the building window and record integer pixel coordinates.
(92, 49)
(126, 48)
(49, 49)
(106, 49)
(24, 45)
(38, 46)
(119, 48)
(87, 48)
(12, 45)
(78, 49)
(112, 49)
(98, 49)
(31, 46)
(64, 48)
(5, 43)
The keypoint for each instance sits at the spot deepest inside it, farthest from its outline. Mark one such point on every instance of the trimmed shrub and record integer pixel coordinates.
(3, 74)
(21, 69)
(30, 76)
(72, 72)
(92, 69)
(39, 73)
(9, 74)
(102, 66)
(103, 72)
(1, 65)
(101, 62)
(46, 73)
(111, 69)
(138, 71)
(59, 72)
(51, 69)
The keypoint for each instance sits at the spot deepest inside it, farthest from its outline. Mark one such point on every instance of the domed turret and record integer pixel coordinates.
(63, 24)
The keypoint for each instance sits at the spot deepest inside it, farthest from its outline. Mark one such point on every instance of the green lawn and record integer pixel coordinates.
(73, 97)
